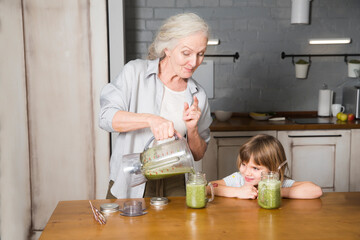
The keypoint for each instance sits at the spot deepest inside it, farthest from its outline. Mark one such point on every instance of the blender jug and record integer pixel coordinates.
(160, 161)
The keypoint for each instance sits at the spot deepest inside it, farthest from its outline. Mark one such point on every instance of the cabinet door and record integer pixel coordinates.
(220, 158)
(322, 157)
(355, 160)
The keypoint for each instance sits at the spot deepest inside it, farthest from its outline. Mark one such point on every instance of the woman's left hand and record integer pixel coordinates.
(191, 115)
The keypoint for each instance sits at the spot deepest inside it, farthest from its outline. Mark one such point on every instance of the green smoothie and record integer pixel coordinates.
(196, 195)
(269, 195)
(159, 173)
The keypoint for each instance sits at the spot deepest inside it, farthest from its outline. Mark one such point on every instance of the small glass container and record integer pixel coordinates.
(269, 195)
(196, 190)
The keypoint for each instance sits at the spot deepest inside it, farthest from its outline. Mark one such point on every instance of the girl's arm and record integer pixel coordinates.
(244, 192)
(302, 190)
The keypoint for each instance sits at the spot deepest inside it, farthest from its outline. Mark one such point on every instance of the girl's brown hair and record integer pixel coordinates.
(266, 151)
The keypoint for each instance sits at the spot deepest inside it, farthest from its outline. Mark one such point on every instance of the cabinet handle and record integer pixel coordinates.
(234, 136)
(307, 136)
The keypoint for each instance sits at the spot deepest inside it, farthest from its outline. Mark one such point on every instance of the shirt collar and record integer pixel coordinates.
(153, 68)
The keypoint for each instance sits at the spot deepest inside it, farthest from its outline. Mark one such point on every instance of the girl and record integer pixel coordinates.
(262, 153)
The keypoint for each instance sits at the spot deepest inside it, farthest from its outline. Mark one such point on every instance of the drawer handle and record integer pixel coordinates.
(313, 136)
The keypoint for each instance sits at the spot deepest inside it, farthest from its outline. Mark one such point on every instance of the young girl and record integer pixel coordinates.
(262, 153)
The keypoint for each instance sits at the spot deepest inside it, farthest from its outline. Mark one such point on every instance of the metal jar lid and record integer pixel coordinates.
(109, 207)
(159, 201)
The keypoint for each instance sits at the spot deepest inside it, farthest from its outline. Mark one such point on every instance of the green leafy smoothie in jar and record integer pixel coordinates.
(196, 191)
(196, 195)
(269, 195)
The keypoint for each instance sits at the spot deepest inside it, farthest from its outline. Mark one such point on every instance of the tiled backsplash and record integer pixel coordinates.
(259, 30)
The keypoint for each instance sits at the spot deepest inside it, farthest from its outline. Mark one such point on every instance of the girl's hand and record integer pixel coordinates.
(162, 128)
(247, 192)
(191, 115)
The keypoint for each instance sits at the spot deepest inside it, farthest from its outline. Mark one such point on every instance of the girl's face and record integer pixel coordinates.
(252, 172)
(187, 55)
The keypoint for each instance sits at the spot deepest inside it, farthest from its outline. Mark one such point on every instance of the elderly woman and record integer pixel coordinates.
(158, 97)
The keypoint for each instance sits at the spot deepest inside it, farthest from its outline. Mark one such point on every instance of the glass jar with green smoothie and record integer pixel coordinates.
(196, 196)
(269, 195)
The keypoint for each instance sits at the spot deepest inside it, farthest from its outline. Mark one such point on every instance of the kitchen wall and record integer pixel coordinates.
(259, 30)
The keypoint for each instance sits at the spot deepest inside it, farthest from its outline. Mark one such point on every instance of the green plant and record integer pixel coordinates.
(354, 61)
(302, 61)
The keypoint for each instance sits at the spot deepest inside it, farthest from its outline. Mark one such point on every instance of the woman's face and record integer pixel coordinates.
(252, 172)
(187, 55)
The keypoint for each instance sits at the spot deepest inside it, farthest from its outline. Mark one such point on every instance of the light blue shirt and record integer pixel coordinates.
(237, 180)
(138, 89)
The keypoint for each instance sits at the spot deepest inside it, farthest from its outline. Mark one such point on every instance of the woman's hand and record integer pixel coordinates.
(162, 128)
(191, 115)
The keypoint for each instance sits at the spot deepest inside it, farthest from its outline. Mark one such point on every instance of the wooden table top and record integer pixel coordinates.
(333, 216)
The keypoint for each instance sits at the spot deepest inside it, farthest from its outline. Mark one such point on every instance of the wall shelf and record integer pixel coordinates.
(345, 55)
(235, 56)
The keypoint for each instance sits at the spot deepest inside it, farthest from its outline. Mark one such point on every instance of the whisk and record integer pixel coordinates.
(98, 215)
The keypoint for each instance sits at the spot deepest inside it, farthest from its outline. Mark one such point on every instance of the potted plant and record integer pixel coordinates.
(301, 68)
(353, 68)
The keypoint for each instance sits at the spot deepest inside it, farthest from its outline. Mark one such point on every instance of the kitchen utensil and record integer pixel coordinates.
(97, 215)
(160, 161)
(132, 208)
(282, 164)
(325, 101)
(336, 108)
(222, 116)
(159, 201)
(196, 190)
(109, 208)
(351, 100)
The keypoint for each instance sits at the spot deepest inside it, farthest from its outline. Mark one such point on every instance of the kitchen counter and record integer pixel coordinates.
(333, 216)
(242, 122)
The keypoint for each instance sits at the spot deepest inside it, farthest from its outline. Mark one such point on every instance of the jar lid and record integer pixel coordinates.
(109, 207)
(159, 201)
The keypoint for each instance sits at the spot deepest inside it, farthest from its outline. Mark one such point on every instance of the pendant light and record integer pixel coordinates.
(300, 11)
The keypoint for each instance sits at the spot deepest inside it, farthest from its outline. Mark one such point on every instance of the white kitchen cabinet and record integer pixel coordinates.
(322, 157)
(355, 160)
(220, 158)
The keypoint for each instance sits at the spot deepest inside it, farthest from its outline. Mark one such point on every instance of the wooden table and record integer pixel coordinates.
(333, 216)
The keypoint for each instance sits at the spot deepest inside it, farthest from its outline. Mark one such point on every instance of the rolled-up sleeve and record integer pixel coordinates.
(114, 97)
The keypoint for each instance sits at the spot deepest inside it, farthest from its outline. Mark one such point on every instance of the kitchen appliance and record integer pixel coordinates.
(351, 100)
(160, 161)
(325, 101)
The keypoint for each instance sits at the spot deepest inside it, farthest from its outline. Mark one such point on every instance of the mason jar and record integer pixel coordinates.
(196, 196)
(269, 195)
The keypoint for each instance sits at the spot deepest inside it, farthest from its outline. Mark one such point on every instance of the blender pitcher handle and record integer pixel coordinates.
(153, 138)
(148, 143)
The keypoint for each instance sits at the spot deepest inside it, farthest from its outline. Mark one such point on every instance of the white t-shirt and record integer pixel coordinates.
(237, 180)
(172, 108)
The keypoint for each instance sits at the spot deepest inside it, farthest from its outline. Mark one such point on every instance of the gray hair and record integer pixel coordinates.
(175, 28)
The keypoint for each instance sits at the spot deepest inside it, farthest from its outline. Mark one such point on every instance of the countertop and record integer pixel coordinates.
(333, 216)
(243, 122)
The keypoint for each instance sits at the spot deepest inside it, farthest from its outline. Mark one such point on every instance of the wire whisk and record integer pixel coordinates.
(98, 215)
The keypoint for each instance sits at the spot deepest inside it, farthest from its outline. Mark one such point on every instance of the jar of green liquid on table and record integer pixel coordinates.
(269, 195)
(196, 196)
